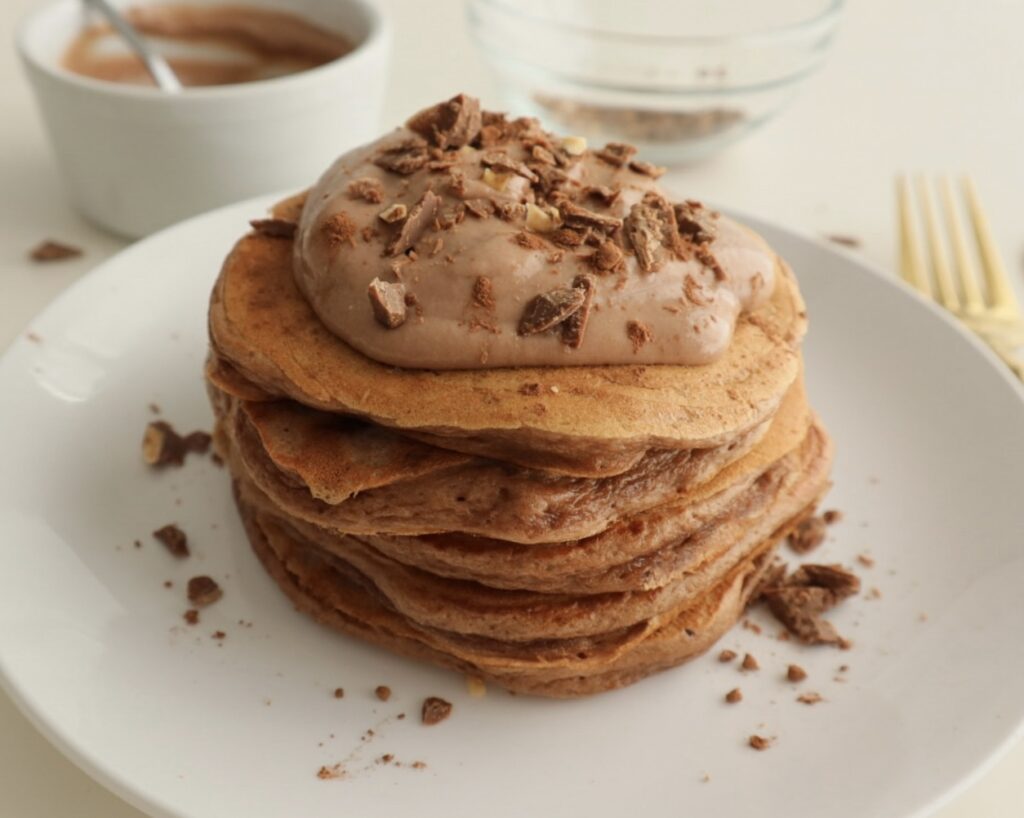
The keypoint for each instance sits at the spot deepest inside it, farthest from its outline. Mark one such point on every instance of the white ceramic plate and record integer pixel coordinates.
(930, 437)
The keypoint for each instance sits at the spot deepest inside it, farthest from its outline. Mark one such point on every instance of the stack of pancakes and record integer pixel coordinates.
(557, 530)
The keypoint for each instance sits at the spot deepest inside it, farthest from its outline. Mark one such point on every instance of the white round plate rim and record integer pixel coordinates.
(63, 737)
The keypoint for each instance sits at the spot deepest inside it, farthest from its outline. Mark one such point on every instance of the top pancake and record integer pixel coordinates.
(577, 420)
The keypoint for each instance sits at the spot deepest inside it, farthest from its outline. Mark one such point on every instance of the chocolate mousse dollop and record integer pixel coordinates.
(466, 240)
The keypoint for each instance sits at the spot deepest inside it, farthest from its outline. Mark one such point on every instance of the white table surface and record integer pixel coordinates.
(910, 85)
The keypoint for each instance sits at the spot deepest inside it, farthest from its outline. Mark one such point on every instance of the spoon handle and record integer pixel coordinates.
(162, 73)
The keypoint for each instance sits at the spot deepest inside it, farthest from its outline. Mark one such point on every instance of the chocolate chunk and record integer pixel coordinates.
(382, 692)
(404, 158)
(647, 169)
(726, 656)
(388, 302)
(339, 693)
(808, 535)
(749, 662)
(50, 250)
(435, 710)
(575, 326)
(531, 241)
(481, 208)
(419, 220)
(567, 237)
(832, 516)
(450, 124)
(174, 539)
(542, 155)
(203, 591)
(483, 293)
(604, 194)
(368, 189)
(274, 228)
(795, 673)
(800, 600)
(550, 309)
(393, 213)
(645, 230)
(760, 742)
(694, 222)
(733, 696)
(607, 258)
(501, 162)
(509, 211)
(579, 217)
(615, 153)
(835, 578)
(339, 229)
(639, 334)
(191, 617)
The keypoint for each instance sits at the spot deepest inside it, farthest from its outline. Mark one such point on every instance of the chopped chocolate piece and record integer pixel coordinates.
(50, 250)
(749, 663)
(845, 241)
(529, 389)
(274, 228)
(339, 229)
(393, 213)
(174, 539)
(575, 216)
(483, 293)
(726, 656)
(710, 260)
(491, 135)
(550, 309)
(382, 692)
(339, 693)
(501, 162)
(368, 189)
(760, 742)
(832, 516)
(435, 710)
(551, 178)
(575, 326)
(607, 258)
(647, 226)
(531, 241)
(567, 237)
(733, 696)
(191, 616)
(800, 600)
(510, 211)
(795, 673)
(405, 158)
(448, 217)
(810, 698)
(450, 124)
(203, 591)
(694, 222)
(387, 758)
(481, 208)
(647, 169)
(198, 442)
(694, 292)
(639, 334)
(808, 535)
(368, 233)
(615, 153)
(604, 194)
(420, 218)
(388, 302)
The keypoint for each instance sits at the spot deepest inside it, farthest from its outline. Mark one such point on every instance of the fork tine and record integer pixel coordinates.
(974, 305)
(1000, 291)
(912, 266)
(936, 249)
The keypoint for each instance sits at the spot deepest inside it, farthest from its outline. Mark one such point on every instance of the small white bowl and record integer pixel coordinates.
(135, 159)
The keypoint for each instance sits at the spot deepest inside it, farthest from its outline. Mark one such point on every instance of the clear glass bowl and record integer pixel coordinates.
(678, 78)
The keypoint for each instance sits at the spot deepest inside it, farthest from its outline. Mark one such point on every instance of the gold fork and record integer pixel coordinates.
(990, 310)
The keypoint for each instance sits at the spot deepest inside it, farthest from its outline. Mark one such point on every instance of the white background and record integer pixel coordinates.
(911, 85)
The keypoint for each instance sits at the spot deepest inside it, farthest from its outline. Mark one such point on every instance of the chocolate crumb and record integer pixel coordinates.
(749, 662)
(219, 635)
(733, 696)
(368, 189)
(607, 258)
(647, 169)
(334, 771)
(639, 334)
(483, 293)
(50, 250)
(203, 591)
(388, 302)
(418, 765)
(420, 218)
(191, 616)
(435, 710)
(800, 601)
(808, 535)
(795, 673)
(382, 692)
(810, 698)
(339, 693)
(760, 742)
(339, 229)
(168, 584)
(845, 241)
(481, 208)
(274, 228)
(404, 158)
(866, 560)
(501, 162)
(832, 516)
(174, 539)
(726, 656)
(615, 153)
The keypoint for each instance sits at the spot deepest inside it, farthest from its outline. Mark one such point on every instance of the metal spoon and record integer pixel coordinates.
(162, 73)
